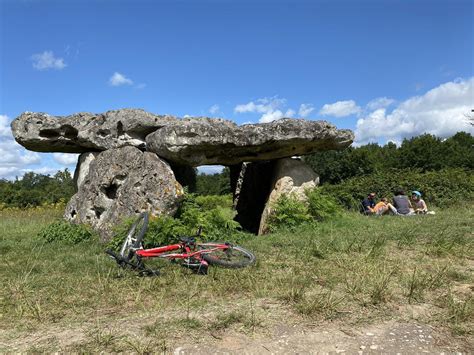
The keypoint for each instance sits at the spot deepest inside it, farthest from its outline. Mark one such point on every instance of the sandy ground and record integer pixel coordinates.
(281, 338)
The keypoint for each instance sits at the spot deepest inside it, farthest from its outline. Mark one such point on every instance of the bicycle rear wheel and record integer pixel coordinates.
(231, 257)
(134, 238)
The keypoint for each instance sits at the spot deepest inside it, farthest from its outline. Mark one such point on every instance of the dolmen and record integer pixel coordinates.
(133, 161)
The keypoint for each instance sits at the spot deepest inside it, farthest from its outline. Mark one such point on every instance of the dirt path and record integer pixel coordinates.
(280, 338)
(390, 337)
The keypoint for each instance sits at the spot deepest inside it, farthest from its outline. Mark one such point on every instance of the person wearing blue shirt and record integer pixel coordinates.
(369, 203)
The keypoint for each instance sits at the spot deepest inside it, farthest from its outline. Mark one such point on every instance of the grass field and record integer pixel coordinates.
(354, 270)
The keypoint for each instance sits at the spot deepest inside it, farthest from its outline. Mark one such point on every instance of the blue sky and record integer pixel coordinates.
(387, 69)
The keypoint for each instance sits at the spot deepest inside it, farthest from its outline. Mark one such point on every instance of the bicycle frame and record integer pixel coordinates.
(187, 252)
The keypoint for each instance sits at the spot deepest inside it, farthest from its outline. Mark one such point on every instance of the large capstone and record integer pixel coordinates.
(120, 183)
(206, 141)
(83, 132)
(183, 142)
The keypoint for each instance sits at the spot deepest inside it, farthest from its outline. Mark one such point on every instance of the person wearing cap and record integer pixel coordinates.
(418, 202)
(369, 203)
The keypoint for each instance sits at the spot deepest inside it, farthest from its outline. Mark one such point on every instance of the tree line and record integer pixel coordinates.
(422, 154)
(36, 189)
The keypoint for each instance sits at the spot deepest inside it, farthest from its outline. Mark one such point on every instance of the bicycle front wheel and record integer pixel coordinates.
(134, 238)
(232, 256)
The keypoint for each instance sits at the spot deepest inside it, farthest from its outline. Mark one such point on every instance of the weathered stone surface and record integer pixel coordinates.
(202, 141)
(120, 183)
(83, 132)
(82, 167)
(290, 177)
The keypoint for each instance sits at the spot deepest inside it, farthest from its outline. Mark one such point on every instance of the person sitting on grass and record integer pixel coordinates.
(384, 207)
(420, 205)
(369, 203)
(402, 203)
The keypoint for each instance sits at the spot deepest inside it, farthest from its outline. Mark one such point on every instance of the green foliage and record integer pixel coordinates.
(65, 232)
(288, 212)
(423, 153)
(441, 188)
(322, 206)
(212, 213)
(213, 184)
(36, 190)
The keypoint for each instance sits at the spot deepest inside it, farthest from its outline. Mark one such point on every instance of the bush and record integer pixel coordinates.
(212, 213)
(62, 231)
(440, 188)
(322, 206)
(288, 212)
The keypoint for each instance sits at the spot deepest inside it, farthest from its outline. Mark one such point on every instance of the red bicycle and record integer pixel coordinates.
(189, 253)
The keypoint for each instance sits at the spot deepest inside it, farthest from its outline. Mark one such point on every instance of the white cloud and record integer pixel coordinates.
(118, 79)
(5, 130)
(47, 60)
(65, 158)
(380, 102)
(214, 109)
(440, 111)
(305, 110)
(14, 159)
(140, 86)
(340, 109)
(270, 108)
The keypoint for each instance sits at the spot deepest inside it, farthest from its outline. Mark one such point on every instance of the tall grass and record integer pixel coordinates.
(353, 268)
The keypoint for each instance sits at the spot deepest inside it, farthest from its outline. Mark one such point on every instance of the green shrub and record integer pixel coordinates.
(62, 231)
(212, 213)
(288, 212)
(322, 206)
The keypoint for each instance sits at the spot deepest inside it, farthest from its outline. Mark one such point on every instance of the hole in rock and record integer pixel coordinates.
(48, 133)
(73, 214)
(69, 131)
(111, 191)
(103, 132)
(98, 211)
(119, 128)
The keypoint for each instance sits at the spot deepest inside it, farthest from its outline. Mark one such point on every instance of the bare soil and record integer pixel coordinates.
(283, 332)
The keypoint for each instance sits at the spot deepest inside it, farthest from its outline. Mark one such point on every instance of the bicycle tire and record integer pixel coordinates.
(134, 238)
(234, 257)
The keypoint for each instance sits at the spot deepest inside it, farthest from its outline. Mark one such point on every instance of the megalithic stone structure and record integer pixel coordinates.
(129, 157)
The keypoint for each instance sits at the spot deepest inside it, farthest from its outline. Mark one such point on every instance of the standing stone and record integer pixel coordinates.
(290, 177)
(120, 183)
(255, 187)
(82, 167)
